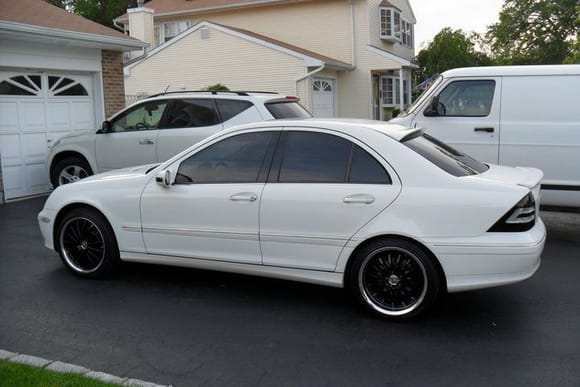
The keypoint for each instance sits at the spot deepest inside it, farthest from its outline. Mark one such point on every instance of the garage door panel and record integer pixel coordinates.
(82, 117)
(37, 178)
(32, 117)
(8, 117)
(10, 150)
(34, 148)
(13, 177)
(57, 116)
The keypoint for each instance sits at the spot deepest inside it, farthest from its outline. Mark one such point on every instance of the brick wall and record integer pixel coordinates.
(113, 81)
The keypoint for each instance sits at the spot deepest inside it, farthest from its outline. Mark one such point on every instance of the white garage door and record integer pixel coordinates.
(36, 108)
(323, 98)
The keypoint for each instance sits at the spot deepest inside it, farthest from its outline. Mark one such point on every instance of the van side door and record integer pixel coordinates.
(466, 115)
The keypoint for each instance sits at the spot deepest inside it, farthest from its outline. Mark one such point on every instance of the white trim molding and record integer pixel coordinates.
(385, 54)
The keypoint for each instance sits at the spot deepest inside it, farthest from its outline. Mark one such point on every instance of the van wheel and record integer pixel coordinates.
(394, 278)
(69, 170)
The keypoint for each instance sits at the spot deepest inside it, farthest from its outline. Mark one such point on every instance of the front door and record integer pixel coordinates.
(211, 211)
(323, 98)
(132, 139)
(467, 117)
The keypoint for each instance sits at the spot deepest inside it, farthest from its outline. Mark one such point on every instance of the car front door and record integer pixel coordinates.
(188, 121)
(211, 210)
(467, 117)
(132, 139)
(321, 190)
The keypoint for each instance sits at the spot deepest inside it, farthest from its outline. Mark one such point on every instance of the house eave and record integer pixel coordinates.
(395, 58)
(29, 32)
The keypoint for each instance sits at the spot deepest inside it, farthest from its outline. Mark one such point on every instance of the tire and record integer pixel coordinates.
(394, 278)
(69, 170)
(87, 243)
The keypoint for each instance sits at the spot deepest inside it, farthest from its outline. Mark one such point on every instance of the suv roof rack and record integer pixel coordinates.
(244, 93)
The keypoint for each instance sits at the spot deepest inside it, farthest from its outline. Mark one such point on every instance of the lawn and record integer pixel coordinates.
(19, 375)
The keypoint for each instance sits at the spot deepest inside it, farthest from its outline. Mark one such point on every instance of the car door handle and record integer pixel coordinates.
(359, 198)
(244, 197)
(146, 141)
(488, 130)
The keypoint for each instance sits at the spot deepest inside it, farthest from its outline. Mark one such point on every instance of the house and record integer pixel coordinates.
(59, 73)
(343, 58)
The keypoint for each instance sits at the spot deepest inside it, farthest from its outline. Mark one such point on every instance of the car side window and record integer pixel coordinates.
(191, 113)
(467, 98)
(230, 108)
(143, 117)
(311, 157)
(236, 159)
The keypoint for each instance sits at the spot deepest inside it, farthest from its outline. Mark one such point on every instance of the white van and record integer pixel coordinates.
(511, 115)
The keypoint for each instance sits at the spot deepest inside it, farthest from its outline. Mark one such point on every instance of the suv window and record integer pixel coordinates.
(143, 117)
(230, 108)
(287, 109)
(467, 98)
(445, 157)
(236, 159)
(310, 157)
(191, 113)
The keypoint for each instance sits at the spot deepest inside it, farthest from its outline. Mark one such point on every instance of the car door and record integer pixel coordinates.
(211, 210)
(188, 121)
(467, 117)
(322, 188)
(132, 139)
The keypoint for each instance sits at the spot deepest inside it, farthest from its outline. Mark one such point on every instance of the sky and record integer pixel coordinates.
(468, 15)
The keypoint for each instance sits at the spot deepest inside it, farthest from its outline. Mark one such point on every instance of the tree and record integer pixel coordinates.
(100, 11)
(534, 31)
(449, 49)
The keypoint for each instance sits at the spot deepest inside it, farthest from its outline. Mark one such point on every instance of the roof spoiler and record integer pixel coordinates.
(412, 133)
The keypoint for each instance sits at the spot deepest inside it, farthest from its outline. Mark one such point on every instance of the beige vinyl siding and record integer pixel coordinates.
(307, 25)
(195, 63)
(355, 87)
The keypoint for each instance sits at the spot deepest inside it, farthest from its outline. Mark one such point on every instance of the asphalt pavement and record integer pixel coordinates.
(197, 328)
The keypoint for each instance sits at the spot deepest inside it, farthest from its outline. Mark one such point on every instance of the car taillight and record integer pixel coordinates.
(521, 217)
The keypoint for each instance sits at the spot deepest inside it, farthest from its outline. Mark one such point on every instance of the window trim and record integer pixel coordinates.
(161, 28)
(405, 27)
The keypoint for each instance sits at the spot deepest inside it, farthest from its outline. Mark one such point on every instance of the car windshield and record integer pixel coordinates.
(421, 98)
(287, 109)
(445, 157)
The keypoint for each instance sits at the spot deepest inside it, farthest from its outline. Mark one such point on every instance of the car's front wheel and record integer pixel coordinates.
(69, 170)
(394, 278)
(87, 244)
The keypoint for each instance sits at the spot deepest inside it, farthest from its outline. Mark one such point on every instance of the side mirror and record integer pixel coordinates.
(106, 127)
(164, 178)
(432, 110)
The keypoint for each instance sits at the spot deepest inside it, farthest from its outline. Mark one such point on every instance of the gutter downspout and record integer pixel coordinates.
(315, 71)
(352, 36)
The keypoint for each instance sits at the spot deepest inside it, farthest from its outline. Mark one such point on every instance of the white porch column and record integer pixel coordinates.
(401, 88)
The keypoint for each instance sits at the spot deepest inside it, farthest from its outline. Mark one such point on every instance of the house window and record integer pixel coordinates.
(164, 32)
(391, 90)
(394, 28)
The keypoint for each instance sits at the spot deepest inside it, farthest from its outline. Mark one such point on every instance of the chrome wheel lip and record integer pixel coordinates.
(71, 173)
(66, 255)
(367, 297)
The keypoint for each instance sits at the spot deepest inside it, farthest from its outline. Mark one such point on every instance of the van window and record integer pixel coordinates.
(466, 99)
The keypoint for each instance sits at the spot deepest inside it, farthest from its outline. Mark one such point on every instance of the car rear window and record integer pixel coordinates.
(445, 157)
(287, 109)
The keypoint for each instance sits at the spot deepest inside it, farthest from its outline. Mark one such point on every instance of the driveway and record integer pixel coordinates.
(190, 327)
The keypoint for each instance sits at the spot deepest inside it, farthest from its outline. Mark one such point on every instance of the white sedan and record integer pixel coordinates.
(390, 213)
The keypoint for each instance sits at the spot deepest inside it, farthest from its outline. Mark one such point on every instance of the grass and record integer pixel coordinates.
(19, 375)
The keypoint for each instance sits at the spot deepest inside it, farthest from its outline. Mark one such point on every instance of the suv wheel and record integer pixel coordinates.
(69, 170)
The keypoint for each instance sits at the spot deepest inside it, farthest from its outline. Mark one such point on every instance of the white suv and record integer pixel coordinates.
(157, 128)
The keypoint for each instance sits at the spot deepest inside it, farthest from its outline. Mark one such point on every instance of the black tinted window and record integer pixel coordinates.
(287, 110)
(314, 158)
(231, 107)
(445, 157)
(365, 169)
(191, 113)
(236, 159)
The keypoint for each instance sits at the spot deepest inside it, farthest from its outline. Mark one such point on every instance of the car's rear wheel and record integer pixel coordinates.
(87, 244)
(69, 170)
(394, 278)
